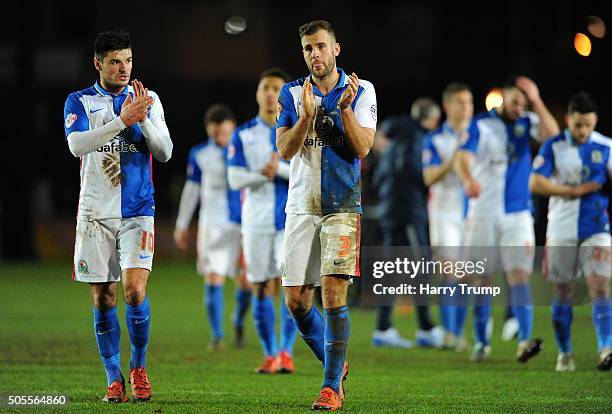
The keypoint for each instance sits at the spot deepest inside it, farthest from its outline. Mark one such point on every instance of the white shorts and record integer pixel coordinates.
(219, 250)
(445, 235)
(263, 254)
(566, 261)
(317, 246)
(103, 248)
(509, 239)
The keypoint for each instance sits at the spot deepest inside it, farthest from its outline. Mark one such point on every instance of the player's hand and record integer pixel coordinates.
(583, 189)
(471, 188)
(141, 93)
(133, 110)
(269, 170)
(528, 87)
(349, 94)
(308, 101)
(181, 239)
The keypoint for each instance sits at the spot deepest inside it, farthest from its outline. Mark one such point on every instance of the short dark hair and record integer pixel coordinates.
(275, 73)
(311, 28)
(582, 103)
(218, 113)
(116, 39)
(454, 87)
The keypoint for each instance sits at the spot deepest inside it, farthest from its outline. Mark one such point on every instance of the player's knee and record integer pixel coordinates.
(518, 277)
(133, 295)
(297, 307)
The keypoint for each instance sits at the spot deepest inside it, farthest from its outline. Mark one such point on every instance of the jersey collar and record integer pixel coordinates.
(342, 82)
(572, 141)
(103, 91)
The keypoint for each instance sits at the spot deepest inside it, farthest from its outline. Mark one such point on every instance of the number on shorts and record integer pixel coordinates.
(345, 246)
(147, 242)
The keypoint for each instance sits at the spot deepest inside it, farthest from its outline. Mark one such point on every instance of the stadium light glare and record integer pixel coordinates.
(582, 44)
(494, 99)
(235, 25)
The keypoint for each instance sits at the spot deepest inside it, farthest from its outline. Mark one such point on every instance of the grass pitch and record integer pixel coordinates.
(47, 347)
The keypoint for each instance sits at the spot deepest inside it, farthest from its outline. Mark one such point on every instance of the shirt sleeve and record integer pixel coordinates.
(365, 107)
(75, 117)
(194, 173)
(156, 131)
(544, 162)
(534, 126)
(286, 115)
(471, 139)
(235, 152)
(429, 154)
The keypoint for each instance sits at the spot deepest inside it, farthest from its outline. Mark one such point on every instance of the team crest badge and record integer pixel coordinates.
(596, 157)
(82, 267)
(374, 112)
(279, 110)
(426, 156)
(538, 162)
(283, 270)
(519, 130)
(70, 120)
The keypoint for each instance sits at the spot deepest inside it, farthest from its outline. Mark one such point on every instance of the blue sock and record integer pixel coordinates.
(288, 330)
(265, 321)
(312, 328)
(243, 298)
(562, 315)
(447, 310)
(108, 336)
(138, 319)
(482, 312)
(460, 312)
(602, 319)
(213, 299)
(520, 298)
(337, 331)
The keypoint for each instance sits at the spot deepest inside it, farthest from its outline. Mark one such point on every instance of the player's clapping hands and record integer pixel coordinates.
(308, 101)
(350, 93)
(583, 189)
(136, 109)
(269, 170)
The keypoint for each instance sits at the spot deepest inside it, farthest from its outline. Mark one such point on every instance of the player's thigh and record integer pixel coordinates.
(446, 235)
(136, 243)
(516, 241)
(561, 262)
(480, 241)
(258, 250)
(96, 259)
(302, 251)
(220, 250)
(595, 256)
(340, 238)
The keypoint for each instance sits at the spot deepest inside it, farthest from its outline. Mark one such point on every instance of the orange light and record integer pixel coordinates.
(494, 99)
(582, 44)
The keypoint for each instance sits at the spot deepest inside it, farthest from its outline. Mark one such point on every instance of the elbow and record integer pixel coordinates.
(361, 154)
(533, 184)
(284, 154)
(74, 150)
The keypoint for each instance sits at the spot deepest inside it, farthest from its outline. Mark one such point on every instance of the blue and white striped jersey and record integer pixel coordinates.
(206, 166)
(325, 173)
(570, 163)
(446, 196)
(116, 179)
(264, 202)
(502, 162)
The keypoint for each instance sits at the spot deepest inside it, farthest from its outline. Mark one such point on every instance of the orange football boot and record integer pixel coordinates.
(285, 361)
(141, 386)
(329, 400)
(116, 393)
(270, 365)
